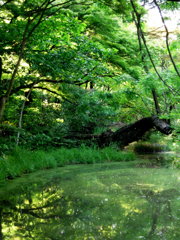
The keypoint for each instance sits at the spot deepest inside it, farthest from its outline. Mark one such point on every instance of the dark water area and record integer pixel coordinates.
(92, 202)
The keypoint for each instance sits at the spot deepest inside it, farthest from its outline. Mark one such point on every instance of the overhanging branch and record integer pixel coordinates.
(54, 92)
(167, 39)
(147, 49)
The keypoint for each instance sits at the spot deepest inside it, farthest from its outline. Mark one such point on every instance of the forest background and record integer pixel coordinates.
(75, 67)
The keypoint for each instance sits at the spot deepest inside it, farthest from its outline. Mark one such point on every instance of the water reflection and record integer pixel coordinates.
(86, 203)
(161, 159)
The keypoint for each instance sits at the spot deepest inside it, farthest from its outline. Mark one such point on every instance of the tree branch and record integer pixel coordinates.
(15, 90)
(22, 46)
(6, 3)
(147, 49)
(21, 116)
(54, 92)
(167, 39)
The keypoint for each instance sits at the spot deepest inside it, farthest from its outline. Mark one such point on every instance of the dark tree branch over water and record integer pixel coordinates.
(134, 132)
(129, 133)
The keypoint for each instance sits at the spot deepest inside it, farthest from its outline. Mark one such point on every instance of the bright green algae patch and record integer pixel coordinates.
(100, 201)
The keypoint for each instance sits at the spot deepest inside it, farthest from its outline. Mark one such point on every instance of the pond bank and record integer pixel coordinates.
(22, 161)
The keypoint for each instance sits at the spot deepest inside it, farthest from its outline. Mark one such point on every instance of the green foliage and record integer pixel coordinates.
(169, 5)
(85, 67)
(93, 109)
(8, 135)
(70, 62)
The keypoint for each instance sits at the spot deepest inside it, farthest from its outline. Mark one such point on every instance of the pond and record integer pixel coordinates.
(92, 202)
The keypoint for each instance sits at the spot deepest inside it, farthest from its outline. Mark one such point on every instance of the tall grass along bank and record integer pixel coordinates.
(22, 161)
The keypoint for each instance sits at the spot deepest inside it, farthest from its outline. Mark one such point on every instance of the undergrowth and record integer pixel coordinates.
(22, 161)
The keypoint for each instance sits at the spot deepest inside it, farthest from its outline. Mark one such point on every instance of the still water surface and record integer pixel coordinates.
(92, 202)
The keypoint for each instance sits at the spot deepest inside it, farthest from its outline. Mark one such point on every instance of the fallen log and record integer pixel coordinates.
(128, 133)
(133, 132)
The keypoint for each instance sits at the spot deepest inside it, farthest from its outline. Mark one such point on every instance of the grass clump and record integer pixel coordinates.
(22, 161)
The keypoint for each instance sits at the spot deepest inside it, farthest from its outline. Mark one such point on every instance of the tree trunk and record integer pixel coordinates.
(133, 132)
(2, 106)
(156, 103)
(21, 115)
(127, 134)
(0, 69)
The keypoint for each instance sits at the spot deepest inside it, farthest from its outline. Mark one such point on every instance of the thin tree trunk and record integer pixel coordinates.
(2, 106)
(26, 35)
(147, 49)
(154, 93)
(21, 116)
(0, 69)
(37, 14)
(167, 39)
(156, 102)
(5, 98)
